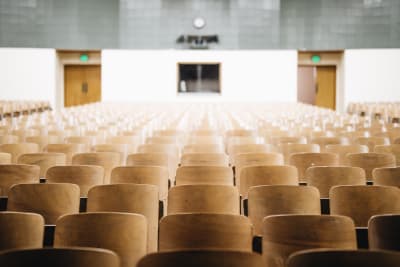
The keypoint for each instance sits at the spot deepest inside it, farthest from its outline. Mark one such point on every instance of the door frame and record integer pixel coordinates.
(328, 58)
(72, 57)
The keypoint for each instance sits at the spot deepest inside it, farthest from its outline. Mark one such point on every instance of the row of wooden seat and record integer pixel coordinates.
(283, 235)
(210, 169)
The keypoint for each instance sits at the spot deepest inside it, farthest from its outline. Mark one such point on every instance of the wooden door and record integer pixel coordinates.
(326, 87)
(82, 84)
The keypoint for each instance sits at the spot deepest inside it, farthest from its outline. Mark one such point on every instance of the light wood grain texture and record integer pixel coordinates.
(131, 198)
(326, 177)
(152, 175)
(9, 139)
(203, 199)
(18, 149)
(68, 149)
(205, 231)
(85, 176)
(344, 258)
(43, 140)
(362, 202)
(386, 176)
(281, 199)
(288, 149)
(392, 149)
(123, 233)
(153, 159)
(108, 160)
(5, 158)
(203, 148)
(286, 234)
(49, 200)
(205, 159)
(343, 150)
(12, 174)
(372, 141)
(323, 141)
(302, 161)
(255, 159)
(20, 230)
(121, 149)
(201, 258)
(370, 161)
(192, 175)
(266, 175)
(43, 160)
(249, 148)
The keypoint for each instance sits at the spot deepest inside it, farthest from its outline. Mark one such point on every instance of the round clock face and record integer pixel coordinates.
(199, 23)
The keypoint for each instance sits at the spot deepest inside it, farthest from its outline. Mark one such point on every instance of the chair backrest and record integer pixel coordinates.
(87, 141)
(201, 258)
(344, 258)
(325, 177)
(153, 175)
(205, 159)
(372, 141)
(20, 230)
(250, 148)
(85, 176)
(18, 149)
(383, 232)
(11, 174)
(288, 149)
(343, 150)
(131, 198)
(392, 149)
(153, 159)
(361, 202)
(323, 141)
(253, 159)
(68, 149)
(123, 233)
(132, 142)
(269, 200)
(9, 139)
(205, 231)
(49, 200)
(203, 199)
(266, 175)
(203, 148)
(5, 158)
(121, 149)
(276, 140)
(43, 140)
(108, 160)
(43, 160)
(386, 176)
(170, 149)
(191, 175)
(370, 161)
(286, 234)
(302, 161)
(60, 257)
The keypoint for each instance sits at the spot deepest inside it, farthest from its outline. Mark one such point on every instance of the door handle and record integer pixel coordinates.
(316, 88)
(85, 88)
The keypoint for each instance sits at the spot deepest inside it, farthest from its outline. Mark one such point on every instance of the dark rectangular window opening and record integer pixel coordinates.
(199, 78)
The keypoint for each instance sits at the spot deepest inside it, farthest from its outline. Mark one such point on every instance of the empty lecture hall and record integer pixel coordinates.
(199, 133)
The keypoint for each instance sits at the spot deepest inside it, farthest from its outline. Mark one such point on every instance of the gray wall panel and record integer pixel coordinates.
(240, 24)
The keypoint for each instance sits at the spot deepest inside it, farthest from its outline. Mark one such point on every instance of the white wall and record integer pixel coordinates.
(27, 74)
(132, 75)
(372, 75)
